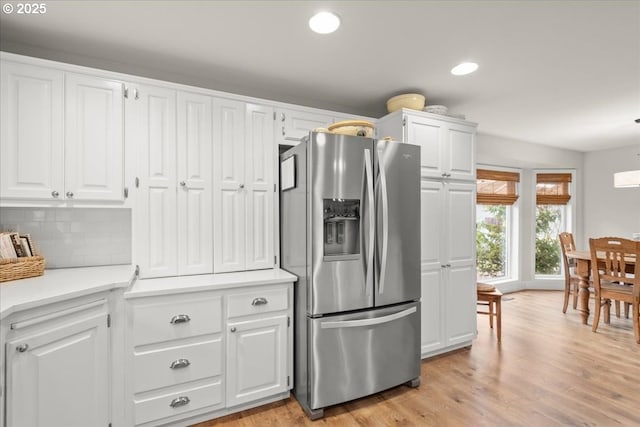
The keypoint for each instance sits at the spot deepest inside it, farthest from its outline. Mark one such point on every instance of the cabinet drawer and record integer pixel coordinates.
(166, 318)
(176, 365)
(186, 400)
(257, 301)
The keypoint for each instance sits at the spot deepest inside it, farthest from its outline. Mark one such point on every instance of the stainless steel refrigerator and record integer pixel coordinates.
(350, 232)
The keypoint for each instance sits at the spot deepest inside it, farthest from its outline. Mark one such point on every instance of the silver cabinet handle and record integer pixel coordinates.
(179, 401)
(179, 363)
(283, 132)
(259, 301)
(241, 186)
(54, 193)
(70, 194)
(233, 329)
(22, 348)
(183, 184)
(180, 318)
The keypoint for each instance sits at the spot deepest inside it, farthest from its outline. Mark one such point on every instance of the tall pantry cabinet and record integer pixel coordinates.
(447, 200)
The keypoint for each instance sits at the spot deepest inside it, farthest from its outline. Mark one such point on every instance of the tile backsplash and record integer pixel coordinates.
(74, 237)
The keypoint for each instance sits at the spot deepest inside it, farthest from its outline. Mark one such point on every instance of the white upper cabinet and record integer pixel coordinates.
(243, 186)
(156, 217)
(32, 139)
(62, 135)
(94, 154)
(293, 125)
(447, 145)
(195, 248)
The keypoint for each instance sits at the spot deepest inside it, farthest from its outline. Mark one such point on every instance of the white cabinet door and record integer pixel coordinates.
(460, 237)
(60, 377)
(293, 125)
(195, 243)
(229, 185)
(461, 152)
(256, 359)
(157, 214)
(260, 187)
(432, 311)
(94, 138)
(428, 134)
(32, 152)
(460, 304)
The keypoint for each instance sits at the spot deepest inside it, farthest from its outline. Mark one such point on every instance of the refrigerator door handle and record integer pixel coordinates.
(368, 168)
(385, 220)
(368, 322)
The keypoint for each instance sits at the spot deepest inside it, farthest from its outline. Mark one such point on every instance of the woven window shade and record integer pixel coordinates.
(552, 188)
(496, 187)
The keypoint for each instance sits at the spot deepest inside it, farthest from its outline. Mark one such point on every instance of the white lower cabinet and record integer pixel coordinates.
(58, 367)
(200, 355)
(448, 265)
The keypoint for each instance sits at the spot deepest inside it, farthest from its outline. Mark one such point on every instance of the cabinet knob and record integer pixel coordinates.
(241, 186)
(70, 194)
(22, 348)
(183, 184)
(180, 318)
(55, 193)
(179, 401)
(179, 363)
(259, 301)
(233, 329)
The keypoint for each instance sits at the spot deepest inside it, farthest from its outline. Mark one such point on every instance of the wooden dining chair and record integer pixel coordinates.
(615, 266)
(571, 281)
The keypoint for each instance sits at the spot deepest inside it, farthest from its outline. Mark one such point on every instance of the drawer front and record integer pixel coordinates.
(162, 319)
(176, 365)
(189, 399)
(257, 301)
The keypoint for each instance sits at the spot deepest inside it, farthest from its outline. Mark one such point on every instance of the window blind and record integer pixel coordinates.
(552, 188)
(496, 187)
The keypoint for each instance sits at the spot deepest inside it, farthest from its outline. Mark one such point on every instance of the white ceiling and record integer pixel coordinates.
(558, 73)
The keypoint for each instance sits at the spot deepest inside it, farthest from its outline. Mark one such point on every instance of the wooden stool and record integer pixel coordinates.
(493, 300)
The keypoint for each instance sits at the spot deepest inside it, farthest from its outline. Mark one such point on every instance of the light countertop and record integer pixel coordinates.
(61, 284)
(206, 282)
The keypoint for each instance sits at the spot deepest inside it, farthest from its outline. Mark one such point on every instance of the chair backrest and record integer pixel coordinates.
(566, 244)
(613, 259)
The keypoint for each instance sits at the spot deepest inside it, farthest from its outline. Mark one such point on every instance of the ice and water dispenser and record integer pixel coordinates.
(341, 228)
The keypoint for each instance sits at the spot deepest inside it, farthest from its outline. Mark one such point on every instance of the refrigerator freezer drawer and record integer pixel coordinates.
(358, 354)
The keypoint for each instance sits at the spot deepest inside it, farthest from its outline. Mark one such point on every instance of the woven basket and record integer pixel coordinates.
(21, 268)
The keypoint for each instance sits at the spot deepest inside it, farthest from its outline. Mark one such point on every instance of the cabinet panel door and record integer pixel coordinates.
(432, 316)
(292, 125)
(461, 232)
(429, 135)
(195, 240)
(260, 187)
(156, 220)
(62, 379)
(229, 186)
(256, 359)
(460, 307)
(31, 145)
(432, 218)
(94, 138)
(461, 163)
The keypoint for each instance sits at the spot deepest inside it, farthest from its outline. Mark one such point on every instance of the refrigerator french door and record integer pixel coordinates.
(350, 232)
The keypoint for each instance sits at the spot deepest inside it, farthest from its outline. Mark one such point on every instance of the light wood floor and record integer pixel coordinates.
(549, 370)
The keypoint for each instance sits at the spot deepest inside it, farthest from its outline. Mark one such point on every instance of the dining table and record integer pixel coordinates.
(582, 269)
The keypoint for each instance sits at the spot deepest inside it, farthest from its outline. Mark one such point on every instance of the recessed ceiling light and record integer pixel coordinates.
(464, 68)
(324, 22)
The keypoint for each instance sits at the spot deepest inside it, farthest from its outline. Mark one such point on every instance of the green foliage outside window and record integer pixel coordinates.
(548, 221)
(491, 241)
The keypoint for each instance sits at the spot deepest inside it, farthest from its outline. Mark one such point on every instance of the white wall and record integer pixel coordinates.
(497, 151)
(610, 211)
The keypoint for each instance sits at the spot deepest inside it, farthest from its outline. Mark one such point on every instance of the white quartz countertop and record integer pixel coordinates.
(61, 284)
(204, 282)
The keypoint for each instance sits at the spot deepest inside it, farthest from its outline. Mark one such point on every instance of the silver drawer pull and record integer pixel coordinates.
(180, 318)
(179, 401)
(180, 363)
(259, 301)
(22, 348)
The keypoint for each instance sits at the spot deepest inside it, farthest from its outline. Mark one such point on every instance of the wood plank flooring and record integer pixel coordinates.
(549, 370)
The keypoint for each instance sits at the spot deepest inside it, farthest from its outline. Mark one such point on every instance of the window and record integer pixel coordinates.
(496, 197)
(552, 217)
